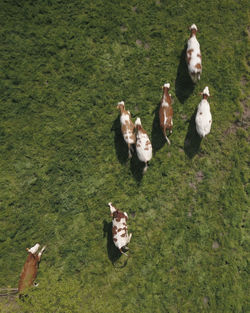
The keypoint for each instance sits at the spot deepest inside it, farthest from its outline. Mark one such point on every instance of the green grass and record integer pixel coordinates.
(64, 66)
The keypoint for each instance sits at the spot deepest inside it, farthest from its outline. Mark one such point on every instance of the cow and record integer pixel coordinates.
(29, 271)
(203, 117)
(166, 112)
(193, 55)
(143, 144)
(119, 228)
(127, 127)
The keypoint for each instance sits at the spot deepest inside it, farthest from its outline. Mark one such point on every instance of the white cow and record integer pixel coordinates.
(143, 144)
(119, 228)
(203, 118)
(193, 55)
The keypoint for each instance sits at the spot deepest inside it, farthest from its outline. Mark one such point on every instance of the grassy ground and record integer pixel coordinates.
(64, 66)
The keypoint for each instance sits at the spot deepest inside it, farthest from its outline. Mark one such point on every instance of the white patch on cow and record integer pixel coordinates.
(127, 134)
(194, 46)
(165, 117)
(34, 249)
(143, 147)
(121, 103)
(167, 85)
(121, 241)
(164, 102)
(171, 121)
(124, 118)
(203, 118)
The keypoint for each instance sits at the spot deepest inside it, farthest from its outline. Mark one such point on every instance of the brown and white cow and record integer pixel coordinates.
(193, 55)
(166, 112)
(29, 271)
(127, 127)
(143, 144)
(119, 228)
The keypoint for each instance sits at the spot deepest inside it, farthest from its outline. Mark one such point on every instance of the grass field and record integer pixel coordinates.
(64, 66)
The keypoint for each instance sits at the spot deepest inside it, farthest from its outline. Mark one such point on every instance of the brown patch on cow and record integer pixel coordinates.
(138, 145)
(210, 121)
(123, 235)
(188, 60)
(29, 272)
(198, 66)
(118, 215)
(146, 149)
(115, 239)
(169, 114)
(121, 229)
(114, 230)
(200, 113)
(141, 129)
(124, 224)
(199, 55)
(190, 51)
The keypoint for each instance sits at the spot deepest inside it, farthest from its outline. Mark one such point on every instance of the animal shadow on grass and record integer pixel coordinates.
(113, 253)
(121, 147)
(183, 83)
(136, 167)
(158, 140)
(192, 140)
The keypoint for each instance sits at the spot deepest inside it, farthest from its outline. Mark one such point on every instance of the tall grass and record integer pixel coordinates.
(64, 66)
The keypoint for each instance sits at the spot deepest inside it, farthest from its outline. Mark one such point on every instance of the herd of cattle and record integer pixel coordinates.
(134, 134)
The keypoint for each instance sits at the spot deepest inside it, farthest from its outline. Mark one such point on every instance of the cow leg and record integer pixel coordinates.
(165, 135)
(167, 138)
(40, 253)
(129, 151)
(145, 167)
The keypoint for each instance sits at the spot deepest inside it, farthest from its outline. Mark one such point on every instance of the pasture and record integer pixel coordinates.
(64, 67)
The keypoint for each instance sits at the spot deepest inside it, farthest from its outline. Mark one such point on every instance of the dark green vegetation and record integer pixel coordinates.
(64, 66)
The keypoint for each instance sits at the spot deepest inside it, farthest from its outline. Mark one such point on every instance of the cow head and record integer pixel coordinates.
(112, 209)
(166, 87)
(34, 249)
(193, 28)
(205, 93)
(121, 105)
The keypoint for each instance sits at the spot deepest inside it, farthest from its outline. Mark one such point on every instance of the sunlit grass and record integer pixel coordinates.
(64, 66)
